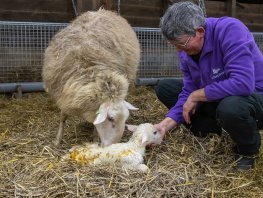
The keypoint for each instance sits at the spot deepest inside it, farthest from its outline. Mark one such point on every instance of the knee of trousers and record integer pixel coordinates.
(234, 115)
(168, 87)
(159, 88)
(231, 110)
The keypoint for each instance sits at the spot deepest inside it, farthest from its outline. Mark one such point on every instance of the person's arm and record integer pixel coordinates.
(176, 112)
(191, 103)
(168, 123)
(237, 46)
(198, 95)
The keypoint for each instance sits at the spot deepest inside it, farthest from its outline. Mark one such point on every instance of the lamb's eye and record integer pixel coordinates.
(155, 132)
(111, 119)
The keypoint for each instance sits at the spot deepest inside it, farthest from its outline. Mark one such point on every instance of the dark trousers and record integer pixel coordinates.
(241, 117)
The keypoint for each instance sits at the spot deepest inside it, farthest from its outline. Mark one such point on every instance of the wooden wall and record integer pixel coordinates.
(250, 13)
(140, 13)
(36, 10)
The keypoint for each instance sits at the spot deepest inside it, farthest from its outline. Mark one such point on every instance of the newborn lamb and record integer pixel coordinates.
(128, 155)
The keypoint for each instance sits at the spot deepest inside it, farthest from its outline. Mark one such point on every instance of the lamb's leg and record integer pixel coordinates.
(63, 118)
(136, 167)
(142, 168)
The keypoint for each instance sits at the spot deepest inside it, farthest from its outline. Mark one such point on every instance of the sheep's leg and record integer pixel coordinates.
(63, 118)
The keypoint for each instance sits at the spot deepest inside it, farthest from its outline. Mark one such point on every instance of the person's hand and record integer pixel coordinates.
(160, 129)
(189, 109)
(163, 127)
(191, 103)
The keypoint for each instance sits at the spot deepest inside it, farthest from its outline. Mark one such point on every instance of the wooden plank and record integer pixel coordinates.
(142, 6)
(136, 21)
(138, 10)
(253, 8)
(240, 7)
(215, 13)
(150, 3)
(215, 6)
(251, 1)
(255, 27)
(92, 4)
(107, 4)
(250, 17)
(129, 7)
(36, 16)
(37, 5)
(231, 8)
(85, 5)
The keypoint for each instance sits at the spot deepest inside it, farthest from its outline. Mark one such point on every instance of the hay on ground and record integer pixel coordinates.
(182, 166)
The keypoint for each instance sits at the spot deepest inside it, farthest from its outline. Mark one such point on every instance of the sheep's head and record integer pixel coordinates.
(145, 133)
(110, 121)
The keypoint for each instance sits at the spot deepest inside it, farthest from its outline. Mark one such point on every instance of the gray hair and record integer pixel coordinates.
(181, 18)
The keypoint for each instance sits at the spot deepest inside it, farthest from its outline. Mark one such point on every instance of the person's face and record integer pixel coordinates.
(192, 45)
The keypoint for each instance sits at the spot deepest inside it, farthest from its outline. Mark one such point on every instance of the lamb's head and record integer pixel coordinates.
(145, 134)
(110, 121)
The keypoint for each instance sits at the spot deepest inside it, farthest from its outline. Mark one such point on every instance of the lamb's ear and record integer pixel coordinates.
(101, 114)
(130, 106)
(131, 128)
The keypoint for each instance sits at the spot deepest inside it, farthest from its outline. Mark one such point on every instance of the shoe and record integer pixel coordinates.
(245, 162)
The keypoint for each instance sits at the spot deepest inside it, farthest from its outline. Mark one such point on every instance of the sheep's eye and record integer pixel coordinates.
(155, 132)
(111, 119)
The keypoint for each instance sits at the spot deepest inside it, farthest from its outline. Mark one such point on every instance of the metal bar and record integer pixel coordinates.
(25, 87)
(22, 46)
(151, 81)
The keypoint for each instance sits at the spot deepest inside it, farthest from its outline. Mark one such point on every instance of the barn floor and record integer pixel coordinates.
(182, 166)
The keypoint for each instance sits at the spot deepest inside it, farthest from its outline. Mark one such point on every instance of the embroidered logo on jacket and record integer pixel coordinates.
(216, 73)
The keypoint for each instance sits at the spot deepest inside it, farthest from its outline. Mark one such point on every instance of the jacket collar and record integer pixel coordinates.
(208, 42)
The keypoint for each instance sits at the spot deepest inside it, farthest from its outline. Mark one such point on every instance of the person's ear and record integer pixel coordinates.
(200, 31)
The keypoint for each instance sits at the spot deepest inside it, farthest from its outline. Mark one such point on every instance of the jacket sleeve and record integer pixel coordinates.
(236, 43)
(176, 112)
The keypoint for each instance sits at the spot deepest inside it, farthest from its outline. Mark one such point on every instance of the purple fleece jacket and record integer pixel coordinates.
(230, 64)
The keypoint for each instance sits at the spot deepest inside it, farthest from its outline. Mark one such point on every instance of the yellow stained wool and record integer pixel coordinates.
(108, 155)
(84, 158)
(126, 153)
(93, 158)
(73, 155)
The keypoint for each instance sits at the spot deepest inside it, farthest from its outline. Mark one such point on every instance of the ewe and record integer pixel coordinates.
(128, 155)
(87, 70)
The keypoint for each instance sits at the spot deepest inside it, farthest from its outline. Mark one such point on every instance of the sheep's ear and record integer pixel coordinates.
(101, 114)
(130, 106)
(131, 128)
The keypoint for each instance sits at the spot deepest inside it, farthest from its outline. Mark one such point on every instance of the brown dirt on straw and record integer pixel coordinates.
(182, 166)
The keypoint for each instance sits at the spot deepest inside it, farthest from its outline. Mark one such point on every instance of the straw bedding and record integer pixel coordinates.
(182, 166)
